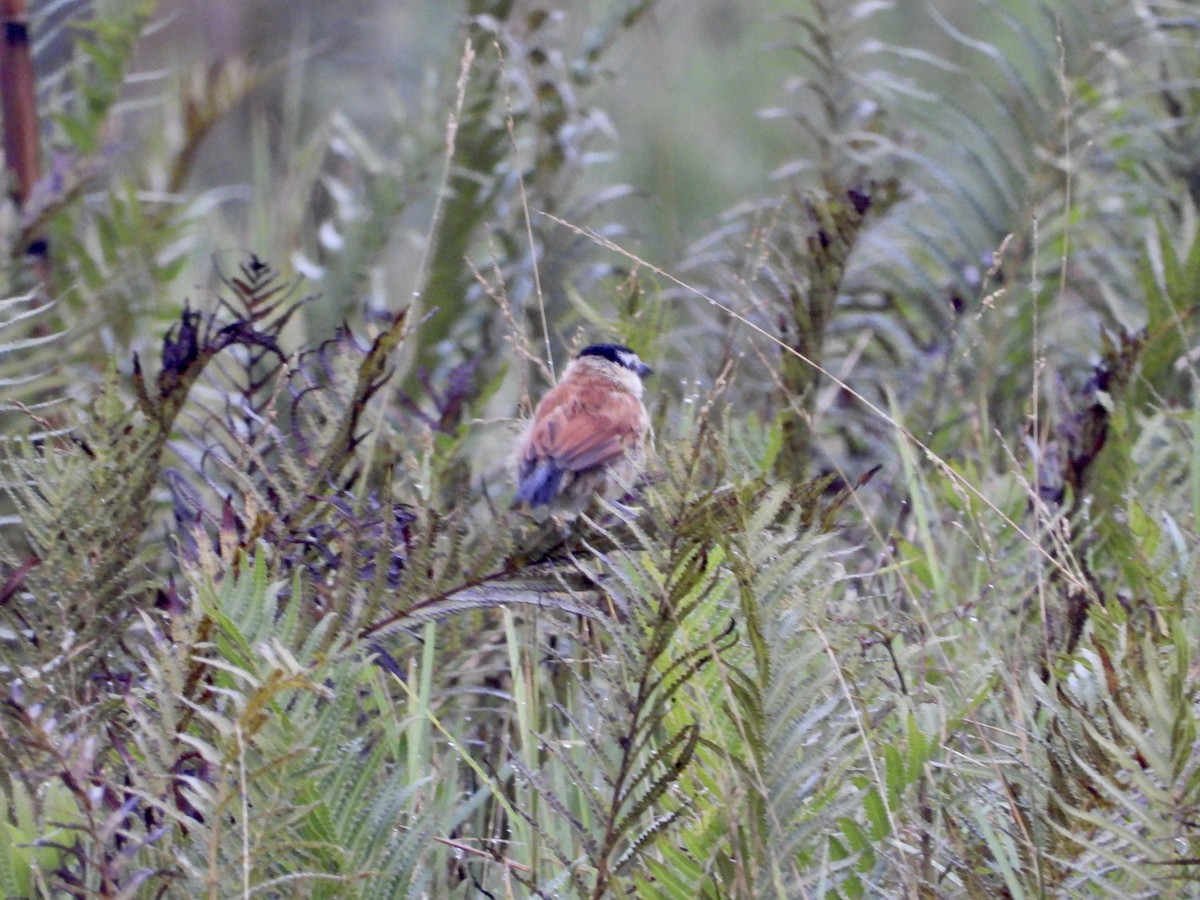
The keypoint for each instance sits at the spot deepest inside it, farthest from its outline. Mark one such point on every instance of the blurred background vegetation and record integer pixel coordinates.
(907, 605)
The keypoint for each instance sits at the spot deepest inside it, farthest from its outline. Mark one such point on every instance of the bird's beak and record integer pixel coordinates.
(644, 370)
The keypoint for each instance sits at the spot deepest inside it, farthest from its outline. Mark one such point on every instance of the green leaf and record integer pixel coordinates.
(876, 813)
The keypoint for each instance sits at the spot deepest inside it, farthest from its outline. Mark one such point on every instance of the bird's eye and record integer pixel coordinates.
(629, 360)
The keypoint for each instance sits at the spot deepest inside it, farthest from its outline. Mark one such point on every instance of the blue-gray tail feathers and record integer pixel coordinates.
(540, 484)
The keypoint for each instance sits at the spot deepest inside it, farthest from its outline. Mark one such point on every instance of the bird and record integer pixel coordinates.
(587, 438)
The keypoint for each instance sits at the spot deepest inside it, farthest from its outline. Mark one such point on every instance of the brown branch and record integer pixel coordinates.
(18, 111)
(17, 103)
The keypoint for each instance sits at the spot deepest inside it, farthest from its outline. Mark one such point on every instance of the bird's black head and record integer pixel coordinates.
(622, 356)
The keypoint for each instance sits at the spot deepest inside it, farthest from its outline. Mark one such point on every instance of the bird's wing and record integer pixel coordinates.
(578, 433)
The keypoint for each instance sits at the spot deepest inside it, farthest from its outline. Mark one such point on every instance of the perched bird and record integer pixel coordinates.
(588, 434)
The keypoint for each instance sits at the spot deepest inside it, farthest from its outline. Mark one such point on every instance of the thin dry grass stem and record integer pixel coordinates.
(939, 463)
(1064, 82)
(533, 260)
(1042, 514)
(1038, 358)
(518, 340)
(827, 397)
(244, 796)
(860, 716)
(460, 847)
